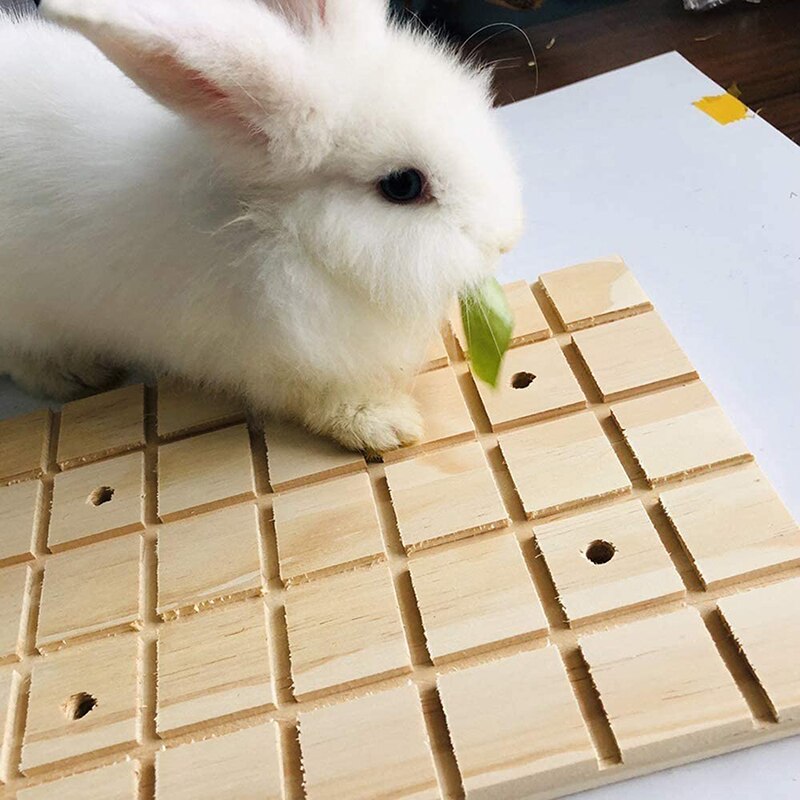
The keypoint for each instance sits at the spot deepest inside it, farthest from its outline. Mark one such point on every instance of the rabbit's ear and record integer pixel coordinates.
(226, 61)
(355, 18)
(359, 17)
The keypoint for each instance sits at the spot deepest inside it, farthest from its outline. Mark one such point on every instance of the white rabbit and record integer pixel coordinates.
(290, 220)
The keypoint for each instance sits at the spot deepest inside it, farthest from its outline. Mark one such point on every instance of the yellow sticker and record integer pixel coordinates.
(724, 108)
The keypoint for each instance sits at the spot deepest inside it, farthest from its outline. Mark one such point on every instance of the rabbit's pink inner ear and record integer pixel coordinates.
(300, 13)
(187, 90)
(183, 86)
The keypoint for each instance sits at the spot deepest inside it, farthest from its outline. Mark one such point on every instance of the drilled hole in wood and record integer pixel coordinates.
(102, 494)
(78, 705)
(600, 552)
(522, 380)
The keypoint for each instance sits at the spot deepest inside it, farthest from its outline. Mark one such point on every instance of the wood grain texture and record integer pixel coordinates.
(204, 473)
(244, 765)
(9, 684)
(562, 464)
(475, 595)
(13, 596)
(101, 425)
(68, 612)
(117, 782)
(183, 409)
(296, 457)
(651, 675)
(344, 630)
(445, 495)
(450, 667)
(19, 508)
(607, 560)
(515, 726)
(375, 746)
(764, 623)
(435, 356)
(104, 670)
(535, 382)
(97, 501)
(530, 324)
(733, 525)
(587, 294)
(207, 559)
(443, 410)
(213, 665)
(678, 432)
(24, 442)
(632, 355)
(324, 527)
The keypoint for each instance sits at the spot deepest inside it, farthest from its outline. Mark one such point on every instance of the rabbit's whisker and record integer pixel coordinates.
(517, 28)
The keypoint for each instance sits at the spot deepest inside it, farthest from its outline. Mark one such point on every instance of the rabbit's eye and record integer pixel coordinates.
(404, 186)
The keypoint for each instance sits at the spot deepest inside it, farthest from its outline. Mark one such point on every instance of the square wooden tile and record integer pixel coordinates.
(325, 526)
(632, 356)
(213, 665)
(244, 765)
(90, 590)
(562, 464)
(344, 630)
(204, 472)
(444, 413)
(373, 746)
(529, 322)
(10, 681)
(183, 409)
(515, 726)
(535, 382)
(25, 441)
(82, 700)
(448, 494)
(678, 432)
(475, 594)
(120, 781)
(607, 560)
(764, 623)
(14, 592)
(436, 355)
(209, 558)
(19, 512)
(664, 687)
(101, 425)
(733, 525)
(296, 457)
(596, 291)
(97, 501)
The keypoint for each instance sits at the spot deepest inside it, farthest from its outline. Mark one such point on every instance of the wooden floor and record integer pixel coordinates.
(757, 46)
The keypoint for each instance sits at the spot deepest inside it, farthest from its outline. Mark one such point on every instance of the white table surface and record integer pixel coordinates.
(708, 216)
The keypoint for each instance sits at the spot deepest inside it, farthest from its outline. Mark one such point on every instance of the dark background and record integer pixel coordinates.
(754, 45)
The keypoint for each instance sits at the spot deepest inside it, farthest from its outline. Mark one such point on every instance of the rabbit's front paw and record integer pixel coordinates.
(376, 427)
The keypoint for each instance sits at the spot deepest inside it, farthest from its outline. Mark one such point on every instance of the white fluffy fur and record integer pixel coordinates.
(241, 243)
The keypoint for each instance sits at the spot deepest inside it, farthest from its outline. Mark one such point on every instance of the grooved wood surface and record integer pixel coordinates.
(221, 613)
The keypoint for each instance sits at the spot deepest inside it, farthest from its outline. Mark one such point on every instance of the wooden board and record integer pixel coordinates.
(100, 426)
(527, 603)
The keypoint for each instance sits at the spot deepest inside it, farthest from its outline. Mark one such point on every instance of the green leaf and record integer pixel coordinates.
(488, 323)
